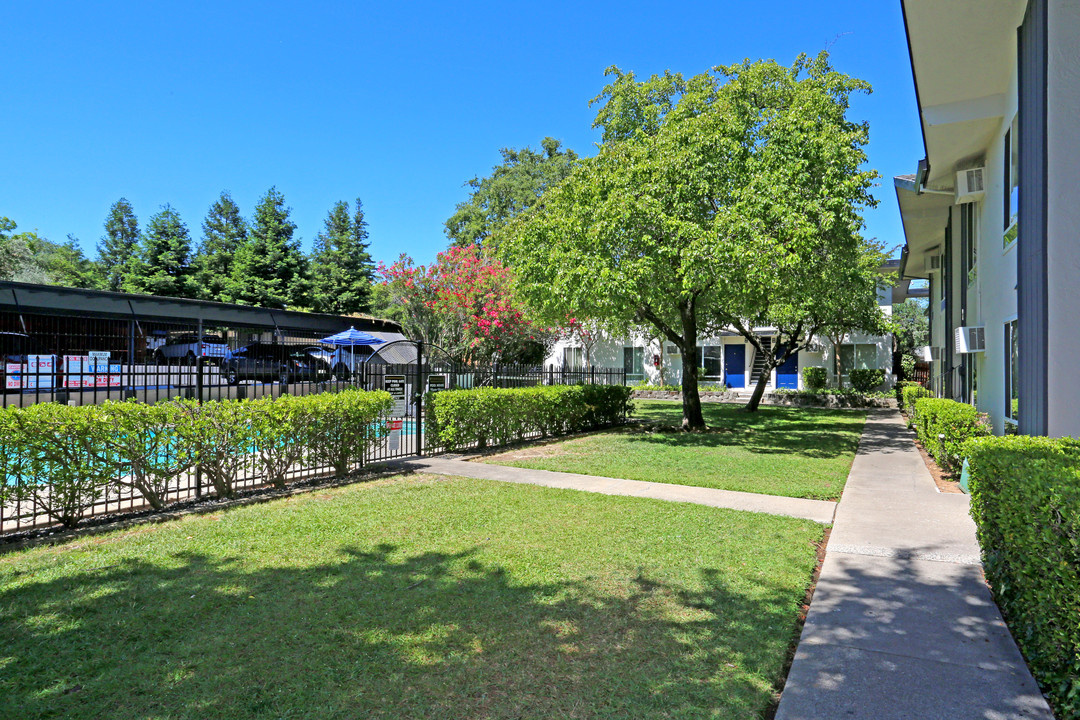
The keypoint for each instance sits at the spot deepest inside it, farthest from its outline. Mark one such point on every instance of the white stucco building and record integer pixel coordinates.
(727, 359)
(991, 216)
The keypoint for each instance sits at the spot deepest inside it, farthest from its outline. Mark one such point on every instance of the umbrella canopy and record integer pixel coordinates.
(352, 336)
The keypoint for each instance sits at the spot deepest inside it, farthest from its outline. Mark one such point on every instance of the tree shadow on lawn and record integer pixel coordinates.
(776, 432)
(375, 634)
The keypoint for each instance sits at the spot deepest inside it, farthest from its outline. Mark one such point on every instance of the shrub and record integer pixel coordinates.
(283, 429)
(345, 425)
(865, 380)
(909, 393)
(53, 454)
(1025, 499)
(958, 422)
(815, 378)
(489, 416)
(220, 436)
(907, 366)
(142, 445)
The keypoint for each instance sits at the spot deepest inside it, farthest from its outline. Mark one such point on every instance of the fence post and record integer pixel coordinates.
(419, 392)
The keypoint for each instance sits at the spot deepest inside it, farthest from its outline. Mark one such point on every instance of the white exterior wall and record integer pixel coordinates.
(1063, 217)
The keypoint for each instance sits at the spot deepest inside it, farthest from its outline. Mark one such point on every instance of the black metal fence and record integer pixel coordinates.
(89, 360)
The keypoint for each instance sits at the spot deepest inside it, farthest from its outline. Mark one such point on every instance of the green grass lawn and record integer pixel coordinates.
(795, 452)
(410, 598)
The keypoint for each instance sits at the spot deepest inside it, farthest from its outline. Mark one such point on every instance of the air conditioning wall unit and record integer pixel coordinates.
(970, 185)
(970, 339)
(937, 353)
(933, 263)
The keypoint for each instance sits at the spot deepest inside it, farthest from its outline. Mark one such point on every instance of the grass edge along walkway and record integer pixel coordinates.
(411, 597)
(782, 451)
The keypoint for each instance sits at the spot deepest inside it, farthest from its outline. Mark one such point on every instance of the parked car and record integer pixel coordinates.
(266, 361)
(185, 348)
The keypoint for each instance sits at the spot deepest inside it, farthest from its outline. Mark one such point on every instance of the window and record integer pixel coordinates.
(859, 356)
(573, 359)
(712, 357)
(1012, 384)
(1011, 198)
(634, 363)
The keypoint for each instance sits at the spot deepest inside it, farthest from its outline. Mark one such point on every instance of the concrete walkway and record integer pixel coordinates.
(902, 624)
(816, 510)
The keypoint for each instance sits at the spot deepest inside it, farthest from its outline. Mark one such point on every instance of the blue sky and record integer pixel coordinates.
(396, 103)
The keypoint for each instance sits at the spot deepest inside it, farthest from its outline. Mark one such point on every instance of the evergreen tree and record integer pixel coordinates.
(163, 267)
(269, 269)
(120, 244)
(341, 266)
(224, 231)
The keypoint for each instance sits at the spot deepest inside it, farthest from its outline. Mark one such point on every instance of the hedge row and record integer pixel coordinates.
(487, 416)
(866, 380)
(957, 422)
(1025, 498)
(907, 392)
(63, 460)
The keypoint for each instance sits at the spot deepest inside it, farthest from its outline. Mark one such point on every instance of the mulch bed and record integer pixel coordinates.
(945, 481)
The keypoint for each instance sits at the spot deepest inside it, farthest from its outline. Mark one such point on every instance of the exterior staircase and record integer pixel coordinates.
(757, 368)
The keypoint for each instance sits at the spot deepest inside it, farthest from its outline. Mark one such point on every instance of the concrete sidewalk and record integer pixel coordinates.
(816, 510)
(902, 624)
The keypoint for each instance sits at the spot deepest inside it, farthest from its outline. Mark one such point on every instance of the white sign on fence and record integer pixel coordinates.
(395, 385)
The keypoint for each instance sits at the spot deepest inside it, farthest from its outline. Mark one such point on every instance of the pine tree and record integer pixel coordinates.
(163, 267)
(269, 269)
(342, 269)
(224, 231)
(120, 244)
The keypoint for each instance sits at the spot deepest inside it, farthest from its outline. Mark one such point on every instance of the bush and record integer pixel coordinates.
(1025, 499)
(866, 380)
(489, 416)
(909, 393)
(958, 422)
(346, 424)
(283, 429)
(815, 378)
(907, 366)
(143, 447)
(53, 454)
(221, 437)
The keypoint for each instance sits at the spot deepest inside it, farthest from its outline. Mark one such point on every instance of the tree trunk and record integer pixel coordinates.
(759, 389)
(692, 417)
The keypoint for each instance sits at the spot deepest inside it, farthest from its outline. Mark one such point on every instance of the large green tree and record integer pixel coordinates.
(513, 186)
(163, 264)
(341, 266)
(119, 245)
(911, 325)
(28, 257)
(717, 200)
(269, 270)
(224, 231)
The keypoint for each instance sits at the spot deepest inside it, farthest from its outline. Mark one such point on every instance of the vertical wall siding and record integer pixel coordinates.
(1031, 244)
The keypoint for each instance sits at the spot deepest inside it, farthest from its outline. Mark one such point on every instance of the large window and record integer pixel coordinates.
(712, 361)
(634, 363)
(1011, 196)
(573, 358)
(861, 356)
(1012, 384)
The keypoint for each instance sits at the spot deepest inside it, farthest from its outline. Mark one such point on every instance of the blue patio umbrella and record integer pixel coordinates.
(350, 338)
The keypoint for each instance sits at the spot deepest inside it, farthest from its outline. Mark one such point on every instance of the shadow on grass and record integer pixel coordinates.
(378, 634)
(809, 433)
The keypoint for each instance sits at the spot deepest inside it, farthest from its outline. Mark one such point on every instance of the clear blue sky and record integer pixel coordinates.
(396, 103)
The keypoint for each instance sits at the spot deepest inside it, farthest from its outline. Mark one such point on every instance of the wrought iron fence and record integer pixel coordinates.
(79, 360)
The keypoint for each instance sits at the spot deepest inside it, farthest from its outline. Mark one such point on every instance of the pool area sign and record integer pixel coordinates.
(395, 385)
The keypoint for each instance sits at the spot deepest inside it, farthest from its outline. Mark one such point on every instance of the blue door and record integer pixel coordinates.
(735, 366)
(787, 375)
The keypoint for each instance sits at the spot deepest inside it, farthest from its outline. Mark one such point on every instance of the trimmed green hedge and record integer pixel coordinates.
(488, 416)
(866, 379)
(958, 422)
(815, 378)
(907, 392)
(1025, 499)
(65, 459)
